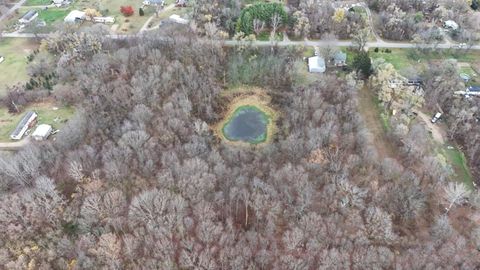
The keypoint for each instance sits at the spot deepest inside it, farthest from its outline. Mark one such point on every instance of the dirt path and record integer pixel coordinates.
(437, 132)
(13, 146)
(371, 115)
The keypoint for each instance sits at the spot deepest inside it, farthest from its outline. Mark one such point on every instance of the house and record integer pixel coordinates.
(450, 25)
(42, 132)
(316, 64)
(27, 122)
(340, 59)
(58, 3)
(75, 16)
(178, 19)
(28, 17)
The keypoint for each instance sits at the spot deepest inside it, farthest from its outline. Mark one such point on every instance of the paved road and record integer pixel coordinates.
(10, 11)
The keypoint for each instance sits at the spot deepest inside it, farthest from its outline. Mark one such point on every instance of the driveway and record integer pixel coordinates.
(13, 146)
(10, 11)
(437, 132)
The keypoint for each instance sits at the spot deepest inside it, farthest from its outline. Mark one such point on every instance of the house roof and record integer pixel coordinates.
(42, 131)
(27, 16)
(340, 56)
(74, 15)
(451, 24)
(23, 122)
(316, 63)
(474, 88)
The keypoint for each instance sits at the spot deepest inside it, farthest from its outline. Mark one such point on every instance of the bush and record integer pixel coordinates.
(141, 12)
(376, 50)
(261, 11)
(362, 63)
(127, 10)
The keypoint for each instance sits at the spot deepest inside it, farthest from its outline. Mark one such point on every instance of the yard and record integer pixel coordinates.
(457, 161)
(48, 113)
(402, 59)
(38, 2)
(14, 69)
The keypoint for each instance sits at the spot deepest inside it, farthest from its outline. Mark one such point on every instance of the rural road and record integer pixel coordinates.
(12, 146)
(318, 43)
(10, 11)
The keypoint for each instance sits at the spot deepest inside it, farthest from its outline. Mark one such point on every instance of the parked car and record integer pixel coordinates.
(436, 117)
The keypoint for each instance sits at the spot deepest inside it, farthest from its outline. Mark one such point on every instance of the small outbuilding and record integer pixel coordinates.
(450, 25)
(28, 120)
(42, 132)
(316, 64)
(154, 3)
(178, 19)
(340, 59)
(28, 17)
(75, 16)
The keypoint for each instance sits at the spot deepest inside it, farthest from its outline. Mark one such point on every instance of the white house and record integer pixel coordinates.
(28, 17)
(75, 16)
(178, 19)
(316, 64)
(42, 132)
(27, 122)
(450, 25)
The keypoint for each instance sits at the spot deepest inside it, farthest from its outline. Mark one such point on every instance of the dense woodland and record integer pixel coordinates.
(136, 180)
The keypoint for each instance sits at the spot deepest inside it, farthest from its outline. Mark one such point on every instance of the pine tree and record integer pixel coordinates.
(363, 63)
(141, 12)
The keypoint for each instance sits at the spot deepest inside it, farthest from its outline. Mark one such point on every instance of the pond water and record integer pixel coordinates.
(247, 124)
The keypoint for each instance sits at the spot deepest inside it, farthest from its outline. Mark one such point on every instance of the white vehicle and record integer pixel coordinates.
(436, 117)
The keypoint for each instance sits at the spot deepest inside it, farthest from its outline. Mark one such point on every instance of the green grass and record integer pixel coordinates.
(52, 15)
(459, 165)
(265, 36)
(46, 115)
(14, 69)
(404, 58)
(37, 2)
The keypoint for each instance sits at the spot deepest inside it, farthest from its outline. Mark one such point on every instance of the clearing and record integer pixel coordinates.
(14, 69)
(376, 124)
(47, 114)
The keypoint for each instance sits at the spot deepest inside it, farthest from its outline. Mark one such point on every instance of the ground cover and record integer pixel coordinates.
(13, 69)
(458, 162)
(37, 2)
(48, 113)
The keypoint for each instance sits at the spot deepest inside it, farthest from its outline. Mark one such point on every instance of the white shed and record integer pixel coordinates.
(75, 16)
(42, 132)
(178, 19)
(450, 25)
(316, 64)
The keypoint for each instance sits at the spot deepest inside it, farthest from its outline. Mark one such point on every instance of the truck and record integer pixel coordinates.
(436, 117)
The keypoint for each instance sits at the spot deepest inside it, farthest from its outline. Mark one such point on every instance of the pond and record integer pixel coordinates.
(247, 124)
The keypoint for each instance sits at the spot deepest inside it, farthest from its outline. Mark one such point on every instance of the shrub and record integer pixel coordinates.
(376, 50)
(127, 10)
(141, 12)
(261, 11)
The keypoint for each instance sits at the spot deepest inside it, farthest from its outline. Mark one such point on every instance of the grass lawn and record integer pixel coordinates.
(37, 2)
(52, 15)
(459, 165)
(14, 69)
(46, 115)
(404, 58)
(265, 36)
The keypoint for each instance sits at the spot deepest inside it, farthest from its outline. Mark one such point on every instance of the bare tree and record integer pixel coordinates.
(360, 39)
(258, 26)
(455, 194)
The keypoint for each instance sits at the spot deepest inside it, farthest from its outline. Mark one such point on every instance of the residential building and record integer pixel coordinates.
(28, 17)
(27, 122)
(42, 132)
(316, 64)
(75, 16)
(340, 59)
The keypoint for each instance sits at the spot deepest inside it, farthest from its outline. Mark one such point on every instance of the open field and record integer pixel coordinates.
(457, 160)
(46, 115)
(404, 58)
(37, 2)
(13, 69)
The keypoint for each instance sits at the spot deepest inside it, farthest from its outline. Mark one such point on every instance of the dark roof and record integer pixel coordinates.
(474, 88)
(22, 123)
(27, 16)
(340, 56)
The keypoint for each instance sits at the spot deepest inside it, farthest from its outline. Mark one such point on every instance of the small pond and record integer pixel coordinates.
(247, 124)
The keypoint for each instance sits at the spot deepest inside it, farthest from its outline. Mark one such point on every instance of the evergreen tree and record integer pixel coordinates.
(141, 12)
(363, 63)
